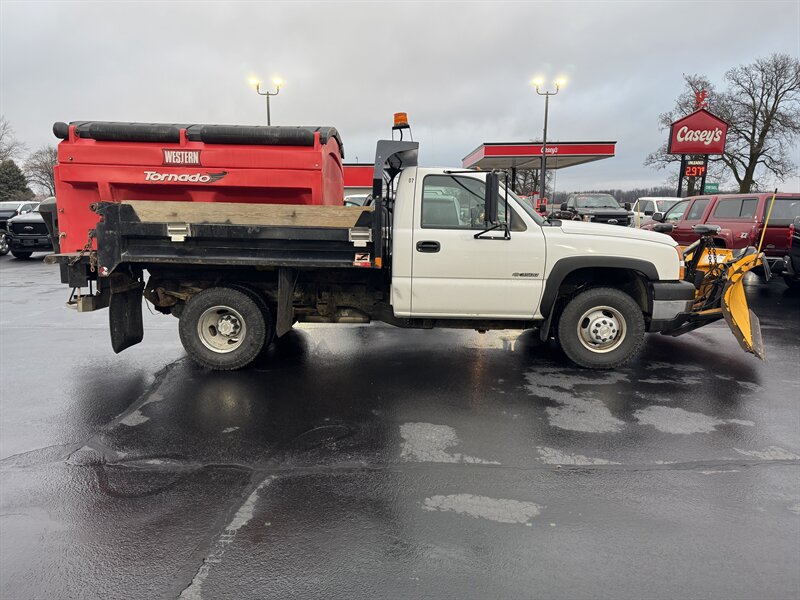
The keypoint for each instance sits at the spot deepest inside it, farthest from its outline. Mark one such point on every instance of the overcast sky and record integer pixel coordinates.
(460, 70)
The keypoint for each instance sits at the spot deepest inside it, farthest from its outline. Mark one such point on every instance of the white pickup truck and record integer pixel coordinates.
(435, 248)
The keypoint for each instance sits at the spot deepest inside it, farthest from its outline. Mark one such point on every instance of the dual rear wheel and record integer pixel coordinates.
(226, 328)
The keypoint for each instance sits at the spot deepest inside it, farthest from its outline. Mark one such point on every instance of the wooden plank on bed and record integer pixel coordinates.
(248, 214)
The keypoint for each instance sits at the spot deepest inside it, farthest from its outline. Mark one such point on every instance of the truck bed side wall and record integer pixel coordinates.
(91, 171)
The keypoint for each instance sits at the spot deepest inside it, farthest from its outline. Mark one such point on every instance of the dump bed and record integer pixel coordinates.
(150, 234)
(107, 162)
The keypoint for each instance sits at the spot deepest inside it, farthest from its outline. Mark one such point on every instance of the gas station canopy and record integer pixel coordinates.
(528, 155)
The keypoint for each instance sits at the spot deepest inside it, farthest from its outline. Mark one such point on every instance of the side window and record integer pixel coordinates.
(515, 221)
(646, 206)
(736, 208)
(748, 208)
(784, 209)
(450, 202)
(676, 212)
(697, 210)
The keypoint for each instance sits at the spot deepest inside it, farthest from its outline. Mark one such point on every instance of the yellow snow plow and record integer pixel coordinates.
(718, 276)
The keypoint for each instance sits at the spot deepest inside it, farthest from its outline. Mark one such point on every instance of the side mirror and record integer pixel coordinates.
(648, 213)
(491, 197)
(659, 217)
(627, 206)
(663, 227)
(564, 206)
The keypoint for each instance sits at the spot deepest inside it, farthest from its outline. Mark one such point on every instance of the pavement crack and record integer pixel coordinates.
(19, 457)
(241, 517)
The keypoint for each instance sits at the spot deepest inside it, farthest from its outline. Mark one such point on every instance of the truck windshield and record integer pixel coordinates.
(596, 201)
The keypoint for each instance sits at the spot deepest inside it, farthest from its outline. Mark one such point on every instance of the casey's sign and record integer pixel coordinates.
(698, 133)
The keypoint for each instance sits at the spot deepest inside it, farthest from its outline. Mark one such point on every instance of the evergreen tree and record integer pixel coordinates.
(13, 183)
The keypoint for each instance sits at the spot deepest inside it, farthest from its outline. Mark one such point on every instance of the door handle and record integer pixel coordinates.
(428, 246)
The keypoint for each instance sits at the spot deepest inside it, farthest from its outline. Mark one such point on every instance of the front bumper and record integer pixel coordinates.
(670, 304)
(29, 243)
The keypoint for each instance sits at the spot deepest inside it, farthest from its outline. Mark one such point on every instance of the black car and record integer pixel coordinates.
(9, 209)
(27, 234)
(597, 208)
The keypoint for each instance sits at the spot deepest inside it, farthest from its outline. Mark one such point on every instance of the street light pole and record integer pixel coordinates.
(543, 171)
(278, 83)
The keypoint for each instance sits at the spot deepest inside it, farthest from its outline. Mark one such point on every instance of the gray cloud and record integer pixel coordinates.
(461, 70)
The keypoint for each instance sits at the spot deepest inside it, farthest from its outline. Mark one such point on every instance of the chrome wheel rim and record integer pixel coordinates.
(221, 329)
(3, 243)
(601, 329)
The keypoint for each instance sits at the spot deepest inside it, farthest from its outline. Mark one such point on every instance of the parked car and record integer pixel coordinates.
(740, 218)
(597, 208)
(643, 209)
(9, 209)
(355, 199)
(791, 262)
(27, 233)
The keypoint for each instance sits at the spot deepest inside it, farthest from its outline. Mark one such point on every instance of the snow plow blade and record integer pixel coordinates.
(742, 321)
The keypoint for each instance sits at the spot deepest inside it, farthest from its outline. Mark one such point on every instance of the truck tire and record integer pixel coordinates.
(601, 328)
(3, 243)
(269, 317)
(222, 329)
(21, 255)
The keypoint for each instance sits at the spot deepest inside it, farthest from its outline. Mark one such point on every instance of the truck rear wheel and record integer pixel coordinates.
(269, 317)
(223, 329)
(601, 328)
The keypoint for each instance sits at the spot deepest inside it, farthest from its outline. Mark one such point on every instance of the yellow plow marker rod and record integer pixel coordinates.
(766, 222)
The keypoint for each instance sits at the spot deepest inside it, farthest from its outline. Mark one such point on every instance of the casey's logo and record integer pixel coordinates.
(706, 136)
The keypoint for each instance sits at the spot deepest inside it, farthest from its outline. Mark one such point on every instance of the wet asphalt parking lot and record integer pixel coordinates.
(373, 462)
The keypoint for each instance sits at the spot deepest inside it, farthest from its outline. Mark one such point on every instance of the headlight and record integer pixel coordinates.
(586, 218)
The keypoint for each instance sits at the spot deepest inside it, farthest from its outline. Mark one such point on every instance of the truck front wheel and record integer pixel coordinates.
(601, 328)
(223, 329)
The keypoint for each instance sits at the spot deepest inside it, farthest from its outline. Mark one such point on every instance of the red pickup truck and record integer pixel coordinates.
(740, 218)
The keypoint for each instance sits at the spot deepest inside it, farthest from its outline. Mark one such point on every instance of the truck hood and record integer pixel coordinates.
(31, 217)
(583, 228)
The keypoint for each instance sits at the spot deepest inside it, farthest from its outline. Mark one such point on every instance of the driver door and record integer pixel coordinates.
(456, 275)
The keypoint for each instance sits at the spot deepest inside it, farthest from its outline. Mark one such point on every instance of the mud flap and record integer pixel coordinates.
(742, 321)
(125, 317)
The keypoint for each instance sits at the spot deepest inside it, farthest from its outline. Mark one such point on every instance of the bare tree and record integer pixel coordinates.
(762, 107)
(39, 169)
(528, 181)
(10, 146)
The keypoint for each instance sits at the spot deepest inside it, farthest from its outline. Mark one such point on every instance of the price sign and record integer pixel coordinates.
(694, 168)
(694, 171)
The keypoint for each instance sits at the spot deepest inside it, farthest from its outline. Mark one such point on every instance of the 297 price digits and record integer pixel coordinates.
(694, 171)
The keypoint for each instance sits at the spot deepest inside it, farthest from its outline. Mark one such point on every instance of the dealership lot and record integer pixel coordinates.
(381, 462)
